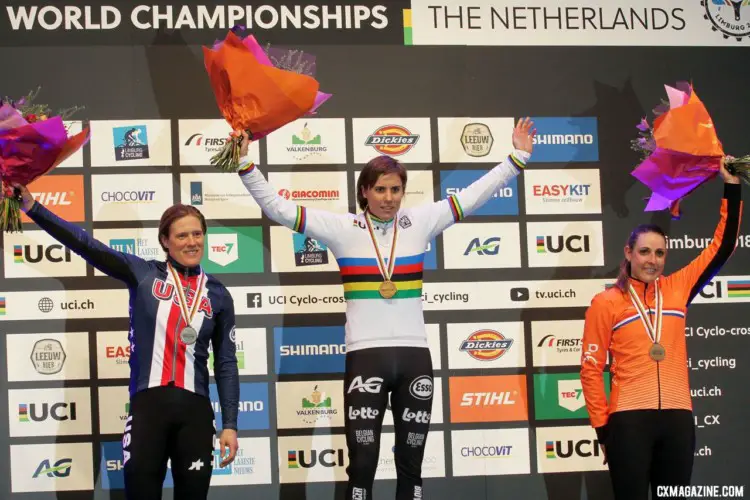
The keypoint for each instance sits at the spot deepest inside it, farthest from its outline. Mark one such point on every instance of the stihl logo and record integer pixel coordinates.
(54, 198)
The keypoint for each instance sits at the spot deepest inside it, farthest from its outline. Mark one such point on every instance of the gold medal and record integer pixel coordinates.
(387, 288)
(657, 352)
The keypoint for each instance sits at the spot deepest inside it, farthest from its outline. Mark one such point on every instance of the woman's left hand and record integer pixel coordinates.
(523, 135)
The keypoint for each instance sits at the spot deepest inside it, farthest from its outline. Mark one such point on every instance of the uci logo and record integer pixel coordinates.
(712, 290)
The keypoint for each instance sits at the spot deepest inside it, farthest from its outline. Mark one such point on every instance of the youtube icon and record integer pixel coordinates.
(519, 294)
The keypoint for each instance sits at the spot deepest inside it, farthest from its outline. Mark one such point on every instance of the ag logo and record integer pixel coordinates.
(222, 248)
(486, 345)
(476, 139)
(490, 246)
(728, 17)
(372, 385)
(392, 140)
(421, 387)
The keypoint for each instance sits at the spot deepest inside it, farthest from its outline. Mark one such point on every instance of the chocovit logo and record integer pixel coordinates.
(392, 140)
(486, 345)
(728, 17)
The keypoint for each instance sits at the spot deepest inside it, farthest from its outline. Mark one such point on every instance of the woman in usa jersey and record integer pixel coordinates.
(380, 254)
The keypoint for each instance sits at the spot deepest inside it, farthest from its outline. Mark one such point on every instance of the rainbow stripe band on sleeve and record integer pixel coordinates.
(515, 161)
(458, 212)
(301, 221)
(246, 169)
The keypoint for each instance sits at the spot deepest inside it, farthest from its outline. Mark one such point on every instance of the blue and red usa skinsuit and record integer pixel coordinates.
(158, 356)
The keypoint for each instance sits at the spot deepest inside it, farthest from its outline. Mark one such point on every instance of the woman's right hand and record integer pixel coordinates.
(244, 144)
(27, 201)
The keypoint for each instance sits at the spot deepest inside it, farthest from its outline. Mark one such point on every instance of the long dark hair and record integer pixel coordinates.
(373, 170)
(622, 278)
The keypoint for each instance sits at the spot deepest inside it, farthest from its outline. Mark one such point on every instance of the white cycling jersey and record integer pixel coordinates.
(371, 319)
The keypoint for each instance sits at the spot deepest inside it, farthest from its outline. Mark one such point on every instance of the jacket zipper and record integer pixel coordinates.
(177, 328)
(658, 372)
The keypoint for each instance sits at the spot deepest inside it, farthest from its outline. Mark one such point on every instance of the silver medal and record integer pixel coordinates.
(188, 335)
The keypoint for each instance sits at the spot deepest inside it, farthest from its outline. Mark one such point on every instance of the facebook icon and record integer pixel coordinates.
(254, 300)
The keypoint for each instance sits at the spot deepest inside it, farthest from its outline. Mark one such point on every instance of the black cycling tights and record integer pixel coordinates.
(649, 447)
(168, 423)
(405, 372)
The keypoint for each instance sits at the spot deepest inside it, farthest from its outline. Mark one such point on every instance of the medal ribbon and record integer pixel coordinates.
(182, 298)
(387, 273)
(653, 330)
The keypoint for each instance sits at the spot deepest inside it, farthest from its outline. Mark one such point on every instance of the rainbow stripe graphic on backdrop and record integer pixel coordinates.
(540, 245)
(739, 288)
(550, 449)
(407, 27)
(2, 306)
(18, 254)
(291, 459)
(23, 412)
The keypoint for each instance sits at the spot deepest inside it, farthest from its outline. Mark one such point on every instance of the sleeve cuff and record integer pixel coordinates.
(602, 433)
(246, 165)
(733, 191)
(232, 427)
(519, 158)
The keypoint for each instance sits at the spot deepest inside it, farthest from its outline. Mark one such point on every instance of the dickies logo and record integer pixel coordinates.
(486, 345)
(392, 140)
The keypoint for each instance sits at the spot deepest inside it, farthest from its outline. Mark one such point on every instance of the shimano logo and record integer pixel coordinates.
(555, 139)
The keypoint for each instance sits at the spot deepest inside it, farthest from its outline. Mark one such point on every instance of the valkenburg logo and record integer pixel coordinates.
(728, 17)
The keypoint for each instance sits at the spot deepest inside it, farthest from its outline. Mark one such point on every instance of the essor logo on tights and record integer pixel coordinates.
(421, 387)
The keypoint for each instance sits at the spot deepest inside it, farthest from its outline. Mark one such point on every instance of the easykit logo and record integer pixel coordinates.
(568, 191)
(392, 140)
(728, 17)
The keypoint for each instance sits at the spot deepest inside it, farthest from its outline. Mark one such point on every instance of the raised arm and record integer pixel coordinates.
(119, 265)
(322, 225)
(597, 334)
(440, 215)
(694, 276)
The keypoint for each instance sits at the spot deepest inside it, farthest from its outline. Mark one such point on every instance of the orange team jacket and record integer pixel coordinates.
(613, 326)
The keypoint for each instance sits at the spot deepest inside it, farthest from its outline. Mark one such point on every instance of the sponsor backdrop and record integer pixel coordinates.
(437, 85)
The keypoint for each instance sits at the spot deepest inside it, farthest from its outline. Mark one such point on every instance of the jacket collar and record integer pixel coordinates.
(184, 270)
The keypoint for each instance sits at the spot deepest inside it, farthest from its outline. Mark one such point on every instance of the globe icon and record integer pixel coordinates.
(46, 304)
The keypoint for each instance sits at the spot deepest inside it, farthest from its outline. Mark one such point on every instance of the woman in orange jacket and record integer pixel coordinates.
(647, 430)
